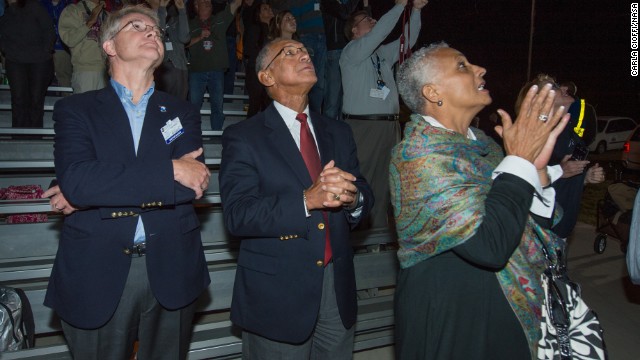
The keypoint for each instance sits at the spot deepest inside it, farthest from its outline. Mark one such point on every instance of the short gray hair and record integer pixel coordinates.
(112, 25)
(416, 72)
(261, 59)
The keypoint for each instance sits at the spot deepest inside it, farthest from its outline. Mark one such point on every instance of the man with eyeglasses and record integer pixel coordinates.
(371, 103)
(292, 190)
(128, 158)
(79, 28)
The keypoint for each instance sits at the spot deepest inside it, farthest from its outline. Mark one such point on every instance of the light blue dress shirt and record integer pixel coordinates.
(136, 113)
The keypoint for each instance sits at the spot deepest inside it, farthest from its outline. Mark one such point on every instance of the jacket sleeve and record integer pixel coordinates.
(72, 26)
(47, 30)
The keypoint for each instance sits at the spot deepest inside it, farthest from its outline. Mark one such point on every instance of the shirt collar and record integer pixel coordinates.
(289, 115)
(124, 93)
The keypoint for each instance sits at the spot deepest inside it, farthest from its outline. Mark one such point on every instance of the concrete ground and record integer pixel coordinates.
(606, 288)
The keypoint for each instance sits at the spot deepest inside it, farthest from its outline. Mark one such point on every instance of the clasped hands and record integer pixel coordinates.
(332, 189)
(534, 133)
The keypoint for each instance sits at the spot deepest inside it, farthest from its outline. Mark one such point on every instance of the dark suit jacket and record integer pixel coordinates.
(98, 171)
(278, 281)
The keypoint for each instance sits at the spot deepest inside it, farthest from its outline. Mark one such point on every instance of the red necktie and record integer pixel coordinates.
(311, 158)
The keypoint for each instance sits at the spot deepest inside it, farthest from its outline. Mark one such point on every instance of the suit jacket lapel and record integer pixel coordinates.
(151, 135)
(281, 139)
(116, 120)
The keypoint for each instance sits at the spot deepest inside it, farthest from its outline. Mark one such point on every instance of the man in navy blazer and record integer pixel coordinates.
(289, 300)
(130, 262)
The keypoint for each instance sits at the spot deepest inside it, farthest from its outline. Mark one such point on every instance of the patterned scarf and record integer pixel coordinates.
(439, 181)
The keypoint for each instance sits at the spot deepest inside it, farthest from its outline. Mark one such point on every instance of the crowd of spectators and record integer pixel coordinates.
(207, 42)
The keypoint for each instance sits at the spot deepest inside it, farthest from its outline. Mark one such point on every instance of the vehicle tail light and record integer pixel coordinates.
(627, 147)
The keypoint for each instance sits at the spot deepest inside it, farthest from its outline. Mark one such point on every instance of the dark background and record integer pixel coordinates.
(587, 42)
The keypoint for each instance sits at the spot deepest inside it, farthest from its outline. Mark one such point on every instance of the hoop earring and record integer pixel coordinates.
(439, 102)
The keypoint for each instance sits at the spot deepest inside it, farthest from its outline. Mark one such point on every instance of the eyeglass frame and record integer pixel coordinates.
(298, 49)
(361, 20)
(158, 30)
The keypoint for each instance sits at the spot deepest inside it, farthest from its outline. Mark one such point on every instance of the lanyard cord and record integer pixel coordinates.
(405, 49)
(376, 65)
(579, 129)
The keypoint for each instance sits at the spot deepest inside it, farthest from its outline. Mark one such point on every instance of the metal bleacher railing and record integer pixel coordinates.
(27, 250)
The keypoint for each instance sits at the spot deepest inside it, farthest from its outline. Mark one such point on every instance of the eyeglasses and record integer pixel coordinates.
(140, 26)
(368, 18)
(288, 52)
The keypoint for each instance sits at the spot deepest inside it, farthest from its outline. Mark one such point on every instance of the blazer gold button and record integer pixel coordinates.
(120, 213)
(320, 263)
(281, 237)
(321, 226)
(142, 206)
(153, 203)
(127, 251)
(159, 203)
(113, 214)
(131, 213)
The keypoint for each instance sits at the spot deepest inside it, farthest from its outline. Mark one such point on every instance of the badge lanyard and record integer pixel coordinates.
(405, 49)
(376, 65)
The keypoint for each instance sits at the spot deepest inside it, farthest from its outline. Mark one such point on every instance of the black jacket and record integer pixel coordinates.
(335, 14)
(27, 34)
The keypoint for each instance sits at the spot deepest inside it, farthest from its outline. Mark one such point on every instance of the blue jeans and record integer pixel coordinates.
(332, 106)
(230, 74)
(317, 45)
(214, 82)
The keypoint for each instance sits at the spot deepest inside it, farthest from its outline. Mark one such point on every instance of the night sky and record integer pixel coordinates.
(587, 42)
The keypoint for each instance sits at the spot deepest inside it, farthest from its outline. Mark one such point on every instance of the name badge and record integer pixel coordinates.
(172, 130)
(316, 7)
(379, 93)
(168, 46)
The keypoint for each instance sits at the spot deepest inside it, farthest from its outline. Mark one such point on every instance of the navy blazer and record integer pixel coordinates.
(98, 171)
(278, 280)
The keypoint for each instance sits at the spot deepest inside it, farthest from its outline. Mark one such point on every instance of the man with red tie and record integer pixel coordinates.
(292, 191)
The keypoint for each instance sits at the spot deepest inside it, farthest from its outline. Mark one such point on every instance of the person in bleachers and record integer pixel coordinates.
(79, 28)
(172, 75)
(256, 16)
(335, 13)
(61, 56)
(27, 36)
(292, 190)
(208, 57)
(283, 25)
(232, 36)
(472, 224)
(370, 102)
(130, 159)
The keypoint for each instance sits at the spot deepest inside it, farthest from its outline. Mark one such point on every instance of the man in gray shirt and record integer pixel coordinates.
(370, 102)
